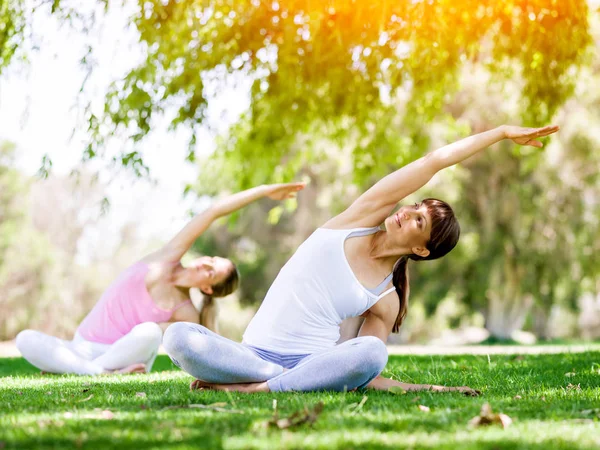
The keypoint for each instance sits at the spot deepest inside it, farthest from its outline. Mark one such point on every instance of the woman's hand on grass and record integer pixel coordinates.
(466, 390)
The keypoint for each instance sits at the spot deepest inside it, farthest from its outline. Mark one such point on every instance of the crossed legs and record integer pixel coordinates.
(220, 363)
(135, 352)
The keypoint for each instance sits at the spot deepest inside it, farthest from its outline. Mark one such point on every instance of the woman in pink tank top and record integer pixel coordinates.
(123, 331)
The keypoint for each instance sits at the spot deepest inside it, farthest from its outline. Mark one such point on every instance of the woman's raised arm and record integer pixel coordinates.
(372, 207)
(184, 239)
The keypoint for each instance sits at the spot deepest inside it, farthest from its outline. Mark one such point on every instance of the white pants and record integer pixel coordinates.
(82, 357)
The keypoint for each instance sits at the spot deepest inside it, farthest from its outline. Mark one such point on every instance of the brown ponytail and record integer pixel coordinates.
(445, 232)
(400, 281)
(208, 313)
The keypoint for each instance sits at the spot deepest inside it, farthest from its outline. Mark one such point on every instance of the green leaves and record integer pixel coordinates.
(355, 73)
(12, 24)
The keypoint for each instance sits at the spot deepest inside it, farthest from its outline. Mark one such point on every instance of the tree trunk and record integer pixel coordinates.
(507, 307)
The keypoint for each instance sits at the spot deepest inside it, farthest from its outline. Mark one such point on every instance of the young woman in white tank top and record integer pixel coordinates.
(353, 266)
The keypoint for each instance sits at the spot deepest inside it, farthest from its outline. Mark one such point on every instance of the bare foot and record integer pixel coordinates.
(134, 368)
(246, 388)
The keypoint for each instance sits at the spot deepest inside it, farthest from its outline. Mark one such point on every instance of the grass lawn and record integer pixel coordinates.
(553, 400)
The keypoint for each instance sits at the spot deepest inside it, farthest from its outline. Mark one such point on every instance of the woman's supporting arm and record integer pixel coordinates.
(372, 207)
(186, 313)
(183, 241)
(379, 323)
(384, 384)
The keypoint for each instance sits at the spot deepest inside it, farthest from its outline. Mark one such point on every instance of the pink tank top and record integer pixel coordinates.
(125, 304)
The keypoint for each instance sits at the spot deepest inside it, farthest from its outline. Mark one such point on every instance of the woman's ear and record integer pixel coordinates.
(420, 251)
(206, 289)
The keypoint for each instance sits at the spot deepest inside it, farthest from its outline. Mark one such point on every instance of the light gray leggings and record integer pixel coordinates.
(215, 359)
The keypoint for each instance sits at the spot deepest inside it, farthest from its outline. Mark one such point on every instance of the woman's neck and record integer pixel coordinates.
(379, 249)
(179, 277)
(185, 291)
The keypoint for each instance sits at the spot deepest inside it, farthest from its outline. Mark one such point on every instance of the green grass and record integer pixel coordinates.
(66, 411)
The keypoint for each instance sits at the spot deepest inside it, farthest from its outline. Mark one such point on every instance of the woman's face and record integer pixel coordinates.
(209, 271)
(410, 228)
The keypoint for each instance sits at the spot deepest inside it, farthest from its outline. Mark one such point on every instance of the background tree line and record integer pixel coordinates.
(343, 92)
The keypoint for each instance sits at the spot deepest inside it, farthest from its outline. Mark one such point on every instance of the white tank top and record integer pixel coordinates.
(312, 294)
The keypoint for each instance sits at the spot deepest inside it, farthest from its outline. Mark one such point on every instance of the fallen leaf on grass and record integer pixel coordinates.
(396, 390)
(85, 399)
(574, 387)
(570, 374)
(298, 418)
(424, 408)
(517, 397)
(140, 394)
(487, 417)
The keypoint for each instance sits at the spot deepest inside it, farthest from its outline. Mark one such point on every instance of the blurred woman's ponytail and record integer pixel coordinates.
(209, 309)
(208, 313)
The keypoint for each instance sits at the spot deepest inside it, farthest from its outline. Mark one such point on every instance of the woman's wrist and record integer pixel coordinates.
(502, 130)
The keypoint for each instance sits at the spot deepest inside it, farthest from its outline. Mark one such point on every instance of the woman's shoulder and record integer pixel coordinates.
(350, 219)
(185, 312)
(154, 268)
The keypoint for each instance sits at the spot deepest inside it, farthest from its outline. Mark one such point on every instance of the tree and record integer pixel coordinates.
(23, 252)
(371, 77)
(369, 73)
(42, 285)
(377, 83)
(529, 217)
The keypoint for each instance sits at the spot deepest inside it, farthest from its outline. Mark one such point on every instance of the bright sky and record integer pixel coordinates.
(38, 112)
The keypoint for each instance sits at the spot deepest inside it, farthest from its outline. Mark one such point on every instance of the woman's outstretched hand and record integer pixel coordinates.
(528, 136)
(465, 390)
(284, 190)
